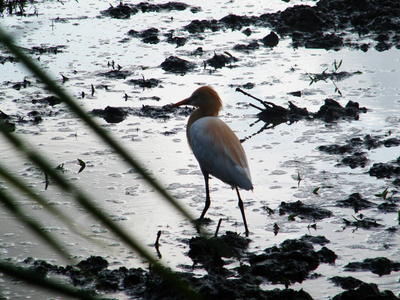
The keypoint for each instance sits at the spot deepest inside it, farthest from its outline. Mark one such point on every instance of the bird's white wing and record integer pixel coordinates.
(219, 152)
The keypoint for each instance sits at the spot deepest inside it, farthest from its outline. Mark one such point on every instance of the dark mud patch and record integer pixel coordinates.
(6, 58)
(327, 25)
(387, 170)
(319, 239)
(347, 283)
(125, 11)
(94, 276)
(19, 85)
(354, 155)
(119, 114)
(271, 40)
(247, 47)
(379, 265)
(148, 36)
(151, 36)
(111, 114)
(145, 83)
(116, 74)
(221, 60)
(303, 211)
(209, 252)
(356, 202)
(366, 291)
(50, 100)
(291, 262)
(177, 65)
(47, 50)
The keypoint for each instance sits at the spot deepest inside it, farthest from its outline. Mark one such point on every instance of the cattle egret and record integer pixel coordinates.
(215, 146)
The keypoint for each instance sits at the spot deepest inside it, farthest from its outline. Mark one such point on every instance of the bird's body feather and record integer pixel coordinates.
(219, 152)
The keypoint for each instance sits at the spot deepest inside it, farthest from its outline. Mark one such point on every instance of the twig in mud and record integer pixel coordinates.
(218, 226)
(157, 244)
(265, 103)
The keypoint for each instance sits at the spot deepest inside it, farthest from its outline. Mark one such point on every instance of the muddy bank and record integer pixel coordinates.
(354, 154)
(292, 261)
(327, 25)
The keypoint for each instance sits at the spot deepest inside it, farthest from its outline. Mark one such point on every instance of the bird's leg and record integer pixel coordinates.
(208, 201)
(242, 211)
(207, 205)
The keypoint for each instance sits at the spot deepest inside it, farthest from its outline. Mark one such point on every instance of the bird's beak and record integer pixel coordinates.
(180, 103)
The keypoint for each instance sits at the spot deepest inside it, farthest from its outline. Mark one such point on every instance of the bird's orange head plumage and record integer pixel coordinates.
(206, 99)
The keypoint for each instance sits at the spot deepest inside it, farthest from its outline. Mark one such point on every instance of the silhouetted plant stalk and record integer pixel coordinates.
(82, 198)
(33, 278)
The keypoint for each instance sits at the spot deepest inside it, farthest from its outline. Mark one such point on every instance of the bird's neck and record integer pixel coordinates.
(198, 114)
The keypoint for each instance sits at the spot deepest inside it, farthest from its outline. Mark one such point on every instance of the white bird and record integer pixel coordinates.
(215, 146)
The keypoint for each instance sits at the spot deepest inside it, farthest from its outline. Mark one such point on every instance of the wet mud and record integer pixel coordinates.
(328, 25)
(292, 261)
(303, 211)
(354, 154)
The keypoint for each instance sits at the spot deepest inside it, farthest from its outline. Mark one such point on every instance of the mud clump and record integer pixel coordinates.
(358, 158)
(145, 83)
(19, 85)
(304, 211)
(50, 100)
(385, 170)
(271, 40)
(209, 252)
(366, 291)
(347, 283)
(332, 111)
(197, 26)
(148, 36)
(320, 240)
(179, 41)
(379, 265)
(118, 114)
(177, 65)
(121, 11)
(247, 48)
(47, 50)
(221, 60)
(291, 262)
(170, 6)
(356, 202)
(114, 114)
(8, 58)
(125, 11)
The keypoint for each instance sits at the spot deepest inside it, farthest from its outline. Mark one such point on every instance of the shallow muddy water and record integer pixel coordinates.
(89, 43)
